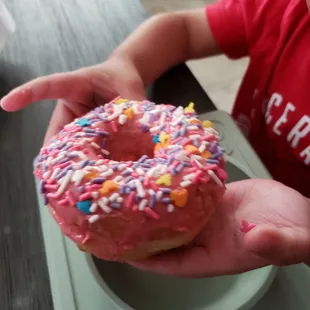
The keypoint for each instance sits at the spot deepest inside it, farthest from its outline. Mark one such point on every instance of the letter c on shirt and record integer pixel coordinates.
(275, 99)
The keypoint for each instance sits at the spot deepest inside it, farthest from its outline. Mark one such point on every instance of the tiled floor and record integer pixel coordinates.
(219, 76)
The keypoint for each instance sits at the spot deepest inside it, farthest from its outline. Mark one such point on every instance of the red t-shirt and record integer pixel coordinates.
(273, 104)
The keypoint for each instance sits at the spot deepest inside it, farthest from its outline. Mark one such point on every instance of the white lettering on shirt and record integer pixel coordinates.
(306, 153)
(300, 130)
(275, 99)
(283, 118)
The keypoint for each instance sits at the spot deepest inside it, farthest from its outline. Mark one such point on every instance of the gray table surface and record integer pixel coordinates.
(55, 36)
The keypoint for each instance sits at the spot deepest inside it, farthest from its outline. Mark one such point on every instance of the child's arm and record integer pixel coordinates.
(166, 40)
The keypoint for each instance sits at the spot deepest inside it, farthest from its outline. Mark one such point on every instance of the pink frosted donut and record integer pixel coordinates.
(131, 179)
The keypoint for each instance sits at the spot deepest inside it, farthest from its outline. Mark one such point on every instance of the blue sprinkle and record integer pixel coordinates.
(81, 189)
(142, 158)
(144, 128)
(179, 168)
(45, 200)
(92, 162)
(152, 201)
(115, 205)
(183, 131)
(212, 161)
(156, 139)
(196, 143)
(137, 199)
(170, 160)
(83, 122)
(84, 206)
(213, 147)
(166, 200)
(165, 190)
(175, 135)
(98, 180)
(216, 155)
(91, 135)
(125, 173)
(187, 164)
(84, 163)
(128, 179)
(42, 184)
(114, 167)
(127, 190)
(97, 113)
(64, 172)
(122, 189)
(173, 171)
(102, 133)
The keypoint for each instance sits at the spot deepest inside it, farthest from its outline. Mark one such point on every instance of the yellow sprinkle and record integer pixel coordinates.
(164, 139)
(190, 108)
(120, 101)
(164, 180)
(208, 124)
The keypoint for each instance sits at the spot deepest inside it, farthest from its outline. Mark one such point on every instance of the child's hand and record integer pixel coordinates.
(80, 91)
(281, 237)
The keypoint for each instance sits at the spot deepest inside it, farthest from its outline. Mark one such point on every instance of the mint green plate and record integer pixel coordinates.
(133, 289)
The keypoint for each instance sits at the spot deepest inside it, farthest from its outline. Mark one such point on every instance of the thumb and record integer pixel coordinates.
(280, 246)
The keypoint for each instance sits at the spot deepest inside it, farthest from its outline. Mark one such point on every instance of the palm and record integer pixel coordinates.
(221, 247)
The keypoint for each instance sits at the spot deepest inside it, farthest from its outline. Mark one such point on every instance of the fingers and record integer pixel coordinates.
(281, 246)
(73, 86)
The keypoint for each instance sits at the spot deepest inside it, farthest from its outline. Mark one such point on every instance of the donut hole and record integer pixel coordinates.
(128, 145)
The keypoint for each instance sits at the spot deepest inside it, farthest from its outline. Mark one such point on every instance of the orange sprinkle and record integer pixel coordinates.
(129, 113)
(157, 147)
(206, 155)
(91, 175)
(108, 187)
(192, 149)
(179, 197)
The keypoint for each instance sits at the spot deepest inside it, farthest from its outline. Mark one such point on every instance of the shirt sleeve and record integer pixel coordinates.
(240, 25)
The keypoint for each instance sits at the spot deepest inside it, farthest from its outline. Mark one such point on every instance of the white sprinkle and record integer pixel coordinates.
(79, 175)
(170, 208)
(151, 192)
(103, 168)
(94, 218)
(104, 207)
(64, 183)
(95, 145)
(202, 148)
(93, 207)
(119, 199)
(81, 155)
(121, 167)
(135, 108)
(89, 116)
(108, 173)
(198, 163)
(105, 152)
(114, 197)
(159, 194)
(215, 178)
(118, 178)
(49, 161)
(140, 189)
(142, 204)
(179, 119)
(122, 119)
(113, 116)
(140, 171)
(182, 157)
(99, 162)
(95, 195)
(90, 168)
(46, 174)
(163, 169)
(185, 183)
(57, 159)
(154, 129)
(162, 119)
(189, 176)
(192, 127)
(151, 172)
(178, 111)
(194, 137)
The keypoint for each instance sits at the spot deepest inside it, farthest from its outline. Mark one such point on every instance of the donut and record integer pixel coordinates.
(131, 179)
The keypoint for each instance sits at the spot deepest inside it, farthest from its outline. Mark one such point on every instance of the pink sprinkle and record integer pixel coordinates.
(85, 151)
(190, 170)
(52, 187)
(135, 209)
(70, 198)
(135, 175)
(210, 167)
(204, 180)
(194, 164)
(245, 227)
(146, 181)
(100, 156)
(153, 214)
(63, 202)
(187, 141)
(74, 148)
(129, 164)
(175, 164)
(167, 129)
(161, 155)
(177, 140)
(44, 151)
(195, 132)
(209, 138)
(64, 165)
(222, 174)
(153, 186)
(114, 126)
(85, 196)
(54, 195)
(37, 173)
(197, 177)
(54, 153)
(50, 181)
(130, 200)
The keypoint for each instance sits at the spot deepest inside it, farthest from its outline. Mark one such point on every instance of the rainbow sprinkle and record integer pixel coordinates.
(78, 158)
